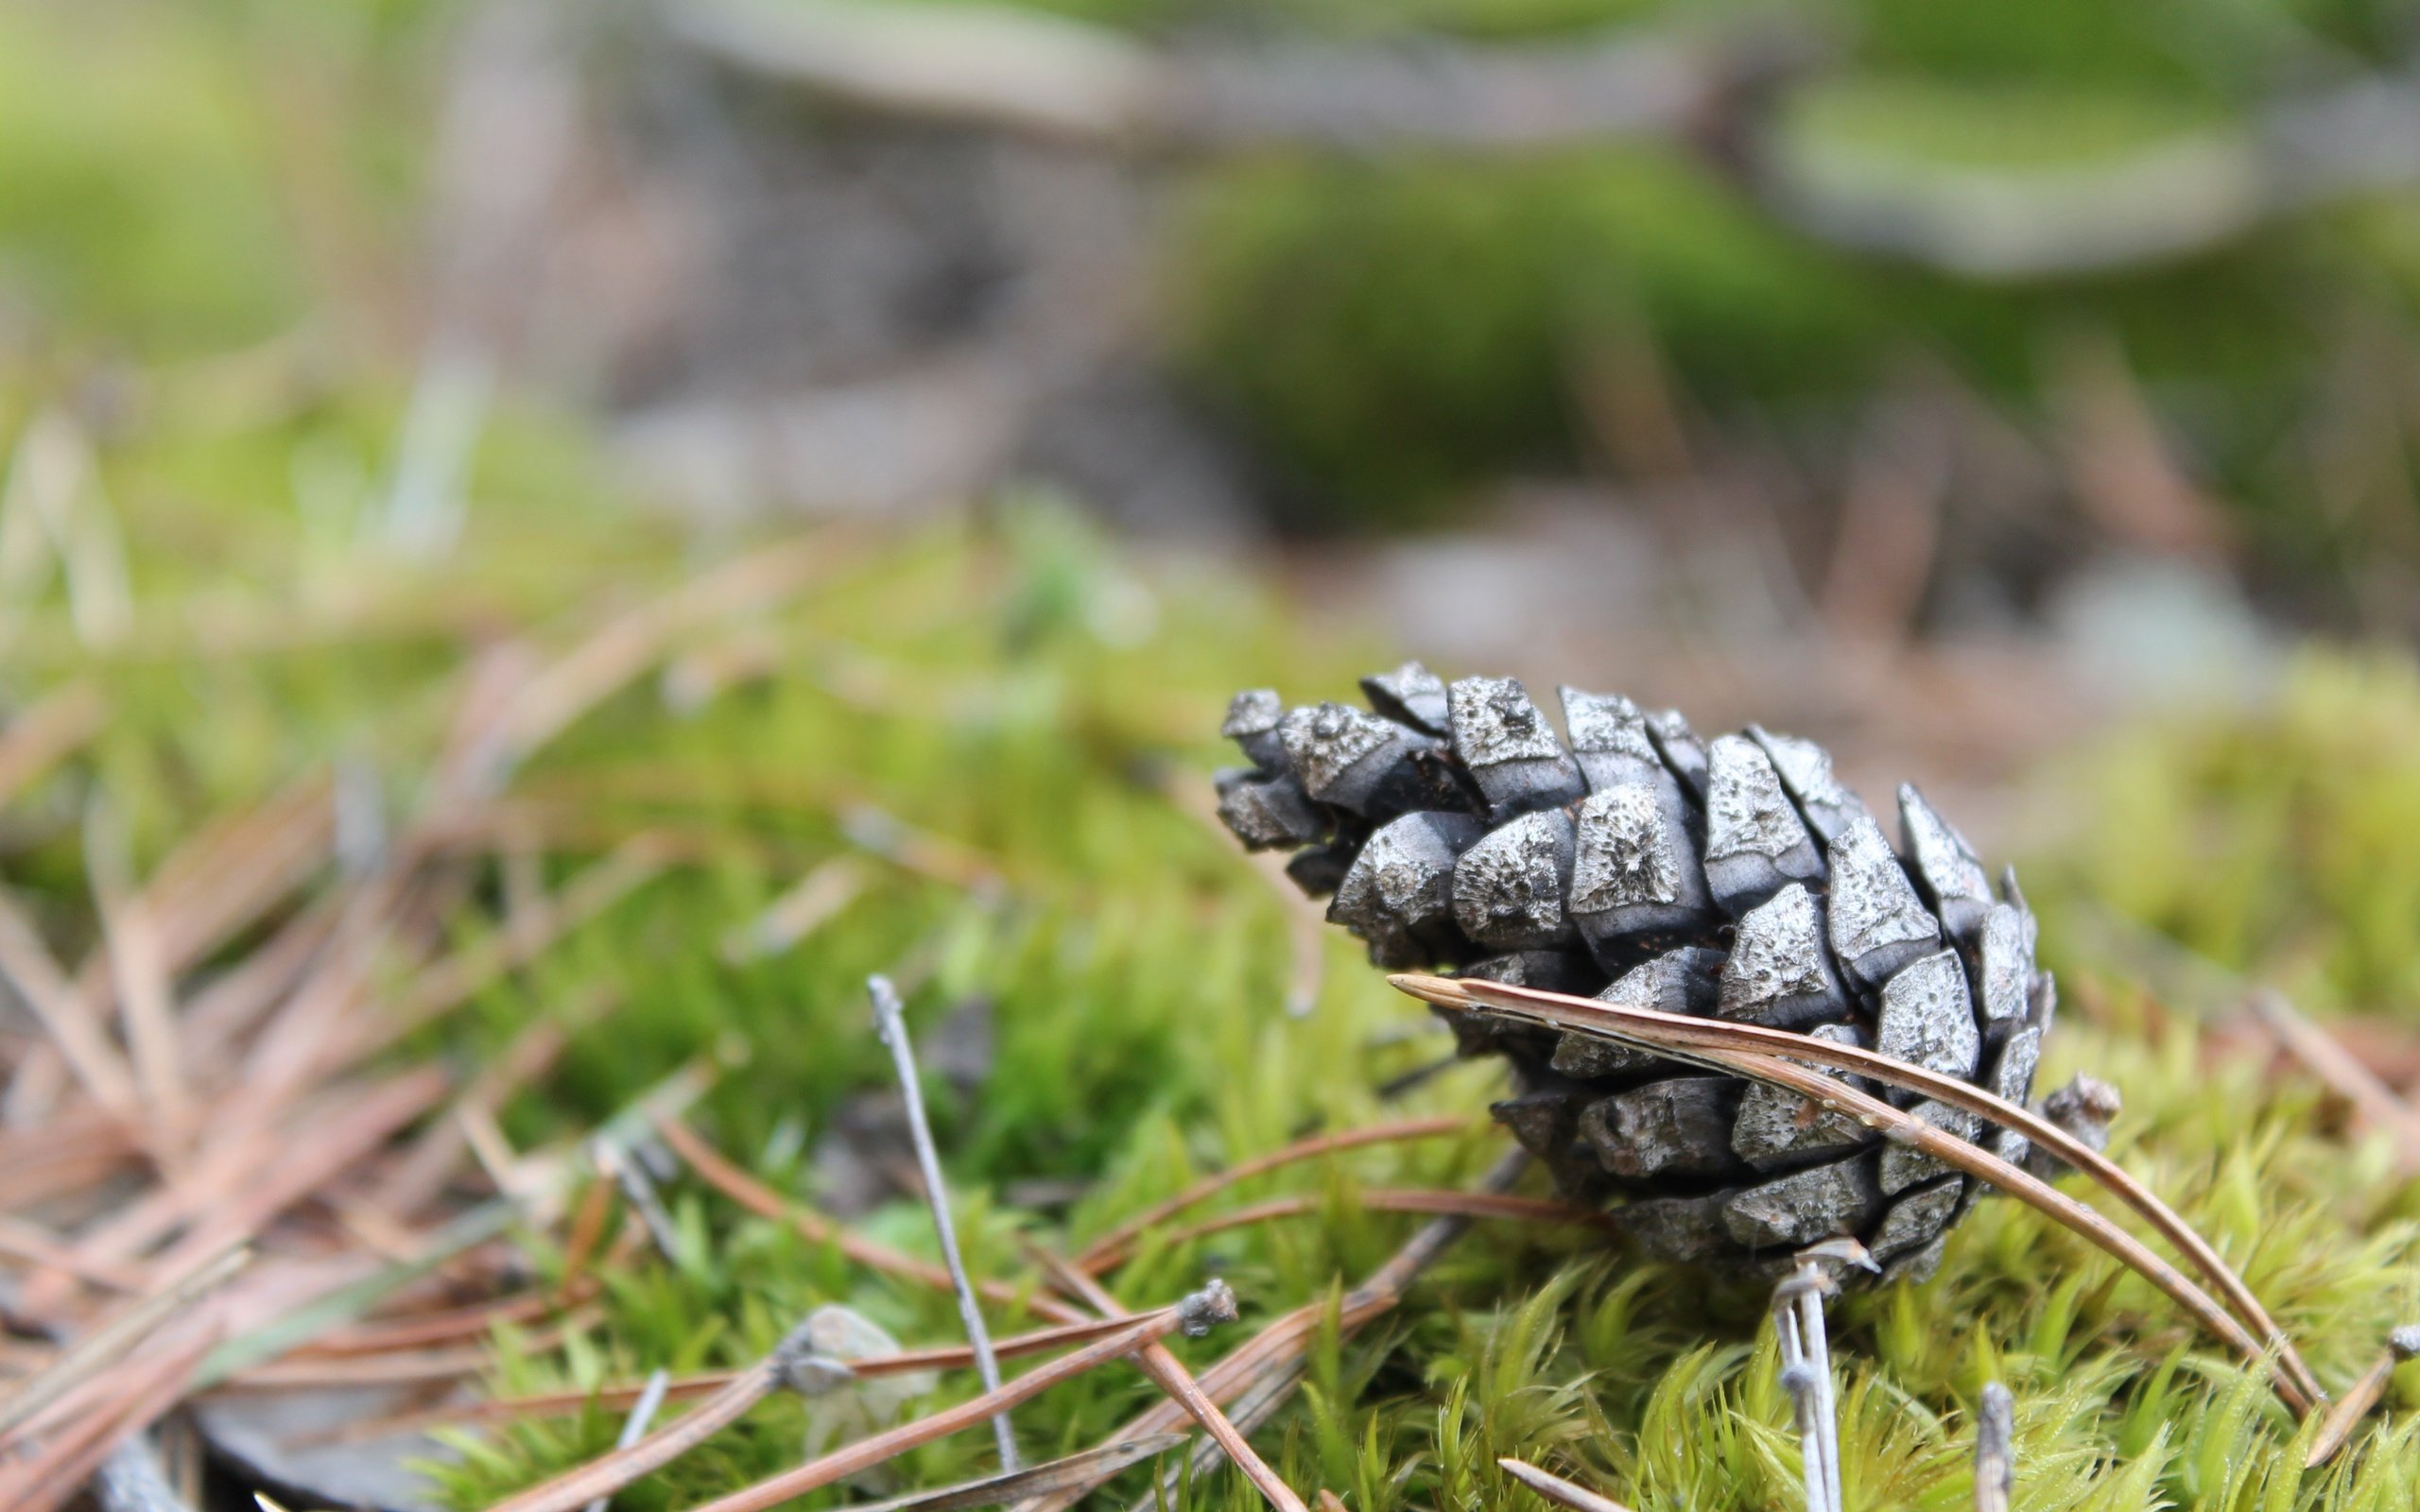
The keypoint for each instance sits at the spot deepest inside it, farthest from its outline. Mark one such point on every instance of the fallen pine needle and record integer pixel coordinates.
(1168, 1373)
(113, 1339)
(1121, 1238)
(994, 1491)
(1779, 1057)
(610, 1473)
(864, 1454)
(2347, 1413)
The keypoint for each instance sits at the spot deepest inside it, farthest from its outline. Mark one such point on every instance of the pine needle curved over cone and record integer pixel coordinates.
(1779, 1057)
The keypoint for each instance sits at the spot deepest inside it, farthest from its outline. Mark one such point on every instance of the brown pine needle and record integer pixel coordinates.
(1120, 1239)
(1254, 1379)
(764, 1202)
(47, 734)
(72, 1024)
(683, 1389)
(610, 1473)
(866, 1453)
(117, 1336)
(151, 1386)
(1778, 1057)
(1168, 1373)
(2344, 1414)
(1433, 1201)
(995, 1491)
(1556, 1489)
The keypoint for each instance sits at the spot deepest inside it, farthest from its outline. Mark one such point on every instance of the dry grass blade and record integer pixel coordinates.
(1168, 1373)
(1556, 1489)
(1778, 1057)
(866, 1453)
(1121, 1238)
(112, 1339)
(2377, 1103)
(992, 1491)
(2345, 1413)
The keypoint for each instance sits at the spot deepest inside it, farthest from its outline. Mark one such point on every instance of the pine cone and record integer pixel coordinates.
(1630, 860)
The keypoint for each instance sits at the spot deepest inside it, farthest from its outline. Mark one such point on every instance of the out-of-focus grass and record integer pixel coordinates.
(2283, 843)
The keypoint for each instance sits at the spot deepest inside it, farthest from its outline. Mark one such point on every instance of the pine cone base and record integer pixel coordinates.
(1454, 829)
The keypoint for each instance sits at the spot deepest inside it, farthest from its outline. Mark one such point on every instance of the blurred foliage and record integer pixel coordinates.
(2277, 843)
(1405, 328)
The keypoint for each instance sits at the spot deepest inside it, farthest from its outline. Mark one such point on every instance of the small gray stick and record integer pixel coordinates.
(1827, 1416)
(1798, 1379)
(636, 1426)
(639, 1192)
(1994, 1448)
(891, 1023)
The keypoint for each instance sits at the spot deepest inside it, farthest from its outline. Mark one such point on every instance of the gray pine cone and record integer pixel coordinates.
(1628, 859)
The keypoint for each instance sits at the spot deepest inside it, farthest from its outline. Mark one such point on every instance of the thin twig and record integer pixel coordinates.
(635, 1427)
(890, 1024)
(1807, 1364)
(1168, 1373)
(1555, 1489)
(1778, 1057)
(1994, 1448)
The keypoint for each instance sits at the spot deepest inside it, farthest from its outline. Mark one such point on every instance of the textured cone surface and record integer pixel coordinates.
(1456, 827)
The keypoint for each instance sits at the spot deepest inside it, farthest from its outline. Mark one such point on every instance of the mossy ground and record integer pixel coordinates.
(1015, 689)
